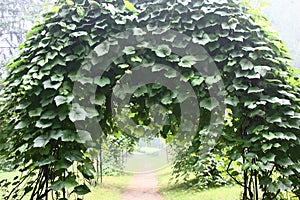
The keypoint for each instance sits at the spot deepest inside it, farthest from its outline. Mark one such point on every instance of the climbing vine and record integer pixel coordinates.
(39, 117)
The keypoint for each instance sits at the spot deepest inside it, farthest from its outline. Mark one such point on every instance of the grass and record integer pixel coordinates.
(111, 188)
(114, 186)
(171, 191)
(9, 176)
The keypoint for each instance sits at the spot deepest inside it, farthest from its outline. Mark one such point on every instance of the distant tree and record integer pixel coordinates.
(16, 18)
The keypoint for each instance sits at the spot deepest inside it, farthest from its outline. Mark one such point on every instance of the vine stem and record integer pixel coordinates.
(227, 170)
(37, 184)
(18, 185)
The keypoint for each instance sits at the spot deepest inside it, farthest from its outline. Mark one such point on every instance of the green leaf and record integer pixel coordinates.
(255, 90)
(266, 146)
(166, 99)
(262, 70)
(157, 68)
(269, 136)
(202, 40)
(101, 50)
(257, 112)
(68, 135)
(296, 166)
(253, 76)
(138, 31)
(73, 155)
(136, 59)
(140, 91)
(62, 164)
(290, 136)
(276, 100)
(171, 74)
(197, 16)
(91, 112)
(128, 50)
(274, 119)
(22, 124)
(129, 6)
(163, 50)
(49, 84)
(70, 182)
(284, 161)
(69, 2)
(209, 103)
(57, 185)
(240, 86)
(41, 141)
(186, 62)
(269, 157)
(220, 58)
(197, 81)
(43, 124)
(77, 113)
(23, 105)
(59, 100)
(80, 11)
(99, 99)
(57, 77)
(123, 66)
(213, 79)
(63, 112)
(95, 4)
(285, 184)
(83, 136)
(246, 166)
(246, 64)
(102, 81)
(81, 190)
(233, 101)
(87, 170)
(79, 33)
(50, 114)
(46, 161)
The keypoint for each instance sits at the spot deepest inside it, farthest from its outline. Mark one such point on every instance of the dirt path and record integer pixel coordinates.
(142, 187)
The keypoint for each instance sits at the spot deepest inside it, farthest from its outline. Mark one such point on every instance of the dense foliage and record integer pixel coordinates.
(39, 121)
(200, 172)
(242, 136)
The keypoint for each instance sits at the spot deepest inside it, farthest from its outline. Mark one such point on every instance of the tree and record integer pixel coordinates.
(16, 19)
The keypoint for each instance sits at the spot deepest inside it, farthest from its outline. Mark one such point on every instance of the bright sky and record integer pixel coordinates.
(285, 18)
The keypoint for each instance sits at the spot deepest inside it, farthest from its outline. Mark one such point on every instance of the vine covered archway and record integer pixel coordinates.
(46, 120)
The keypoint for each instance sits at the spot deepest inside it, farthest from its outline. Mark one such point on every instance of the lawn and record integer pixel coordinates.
(111, 188)
(9, 176)
(171, 191)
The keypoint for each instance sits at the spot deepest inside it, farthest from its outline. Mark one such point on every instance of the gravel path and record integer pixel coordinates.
(142, 187)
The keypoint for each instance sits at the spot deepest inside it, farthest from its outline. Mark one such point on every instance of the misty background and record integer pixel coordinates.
(284, 17)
